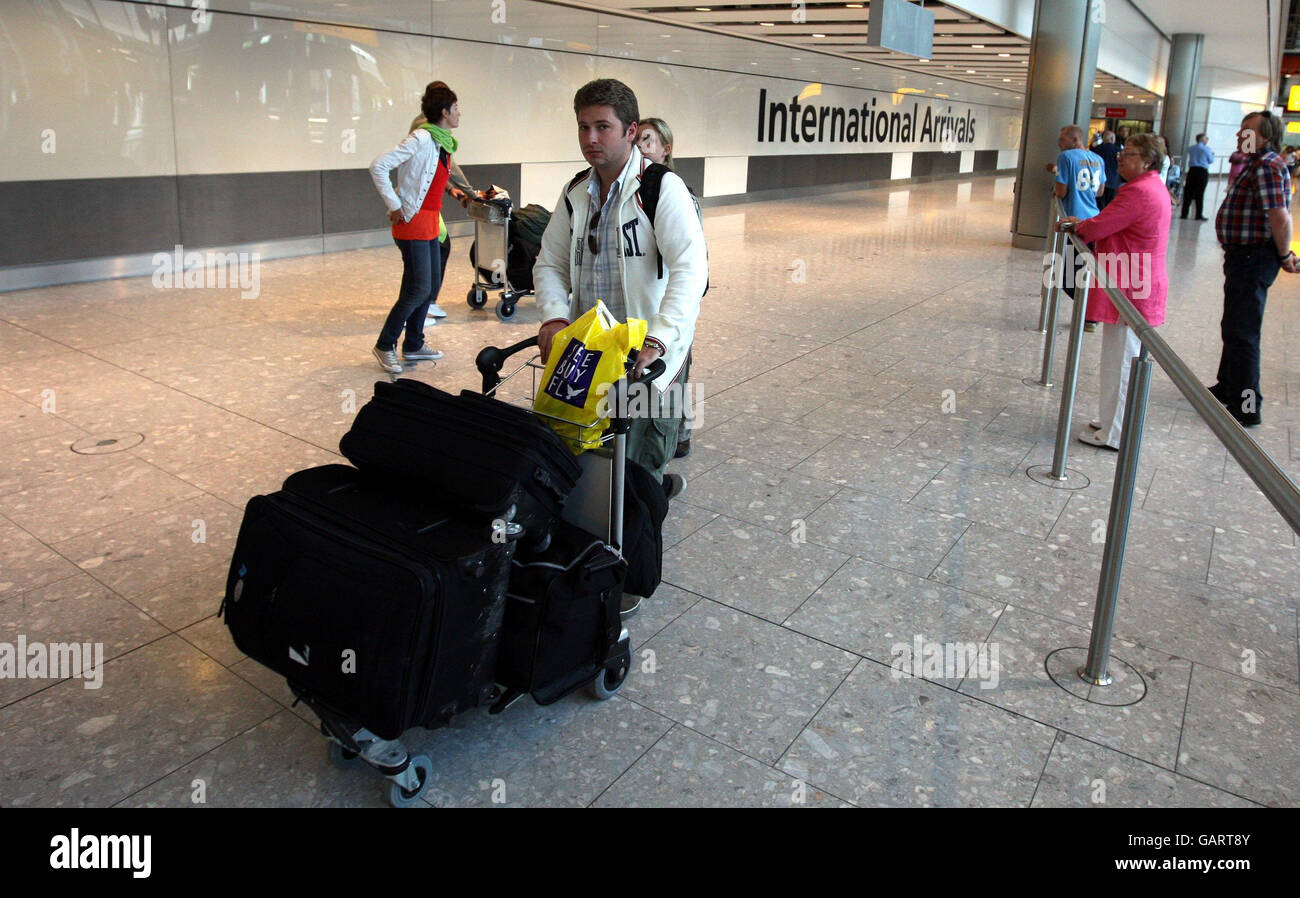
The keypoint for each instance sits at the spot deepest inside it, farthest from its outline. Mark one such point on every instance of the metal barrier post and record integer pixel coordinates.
(1060, 454)
(1054, 239)
(1121, 504)
(1049, 337)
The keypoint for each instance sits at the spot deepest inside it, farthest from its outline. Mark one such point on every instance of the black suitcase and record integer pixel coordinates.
(378, 609)
(562, 627)
(490, 460)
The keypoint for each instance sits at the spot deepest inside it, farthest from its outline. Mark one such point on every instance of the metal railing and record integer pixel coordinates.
(1272, 481)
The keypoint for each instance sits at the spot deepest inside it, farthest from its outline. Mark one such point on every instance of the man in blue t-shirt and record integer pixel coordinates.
(1080, 174)
(1108, 150)
(1080, 177)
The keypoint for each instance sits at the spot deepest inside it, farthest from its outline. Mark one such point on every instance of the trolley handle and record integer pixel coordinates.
(491, 359)
(618, 393)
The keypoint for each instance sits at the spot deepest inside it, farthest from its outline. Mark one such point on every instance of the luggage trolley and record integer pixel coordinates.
(594, 511)
(492, 243)
(595, 506)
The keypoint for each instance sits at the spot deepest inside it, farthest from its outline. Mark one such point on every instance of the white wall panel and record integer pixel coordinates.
(967, 163)
(1013, 15)
(259, 94)
(173, 90)
(91, 84)
(1131, 48)
(541, 182)
(1008, 158)
(900, 166)
(726, 175)
(393, 15)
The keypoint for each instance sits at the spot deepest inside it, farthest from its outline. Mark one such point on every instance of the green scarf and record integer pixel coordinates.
(443, 137)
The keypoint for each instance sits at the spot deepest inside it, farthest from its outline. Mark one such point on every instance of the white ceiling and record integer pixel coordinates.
(966, 49)
(1237, 33)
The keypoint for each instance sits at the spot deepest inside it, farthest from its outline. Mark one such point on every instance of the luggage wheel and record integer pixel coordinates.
(477, 297)
(610, 680)
(505, 309)
(508, 698)
(411, 783)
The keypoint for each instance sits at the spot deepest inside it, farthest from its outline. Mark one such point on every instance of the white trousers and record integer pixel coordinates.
(1119, 346)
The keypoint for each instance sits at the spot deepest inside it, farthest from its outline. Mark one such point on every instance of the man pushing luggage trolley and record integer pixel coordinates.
(625, 232)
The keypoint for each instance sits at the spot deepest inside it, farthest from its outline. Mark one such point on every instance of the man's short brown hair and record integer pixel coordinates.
(608, 92)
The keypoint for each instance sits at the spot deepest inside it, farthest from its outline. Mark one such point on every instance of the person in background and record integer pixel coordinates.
(1108, 150)
(459, 189)
(423, 163)
(1080, 177)
(1237, 164)
(1136, 227)
(655, 140)
(1254, 226)
(1121, 136)
(1199, 159)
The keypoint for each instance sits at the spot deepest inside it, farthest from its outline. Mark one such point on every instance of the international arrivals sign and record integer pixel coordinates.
(807, 119)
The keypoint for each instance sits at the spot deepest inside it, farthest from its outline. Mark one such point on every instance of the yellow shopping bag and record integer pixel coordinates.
(587, 354)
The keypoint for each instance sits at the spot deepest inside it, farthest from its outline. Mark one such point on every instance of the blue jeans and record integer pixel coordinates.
(1248, 272)
(422, 267)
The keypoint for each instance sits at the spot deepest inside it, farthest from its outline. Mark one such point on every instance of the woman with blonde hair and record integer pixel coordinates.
(655, 140)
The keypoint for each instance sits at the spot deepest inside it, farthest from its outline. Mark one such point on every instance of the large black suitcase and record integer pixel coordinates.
(381, 609)
(490, 460)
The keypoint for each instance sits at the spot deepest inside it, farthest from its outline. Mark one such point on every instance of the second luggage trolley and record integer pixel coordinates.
(562, 628)
(492, 243)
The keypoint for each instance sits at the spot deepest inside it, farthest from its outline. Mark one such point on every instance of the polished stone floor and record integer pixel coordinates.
(857, 491)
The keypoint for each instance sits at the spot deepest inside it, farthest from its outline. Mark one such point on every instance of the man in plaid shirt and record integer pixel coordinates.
(1254, 226)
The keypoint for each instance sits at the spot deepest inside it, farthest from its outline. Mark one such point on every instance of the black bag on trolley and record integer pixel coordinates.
(489, 460)
(379, 608)
(562, 624)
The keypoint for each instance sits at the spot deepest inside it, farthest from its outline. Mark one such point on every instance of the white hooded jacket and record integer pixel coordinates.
(670, 304)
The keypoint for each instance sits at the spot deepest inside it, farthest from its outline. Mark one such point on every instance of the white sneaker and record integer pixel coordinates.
(388, 360)
(425, 353)
(435, 311)
(1094, 439)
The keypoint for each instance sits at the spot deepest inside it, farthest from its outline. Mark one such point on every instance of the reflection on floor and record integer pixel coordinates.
(857, 497)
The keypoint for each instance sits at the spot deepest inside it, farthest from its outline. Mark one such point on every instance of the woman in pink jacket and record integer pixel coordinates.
(1129, 237)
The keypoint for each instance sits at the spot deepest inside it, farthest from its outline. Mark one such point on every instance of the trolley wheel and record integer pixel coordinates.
(505, 310)
(341, 757)
(610, 680)
(477, 297)
(399, 797)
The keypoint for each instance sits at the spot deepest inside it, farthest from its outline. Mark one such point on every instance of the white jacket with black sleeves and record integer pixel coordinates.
(670, 303)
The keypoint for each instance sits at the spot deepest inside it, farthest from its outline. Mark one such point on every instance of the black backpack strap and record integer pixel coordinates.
(647, 194)
(652, 177)
(573, 182)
